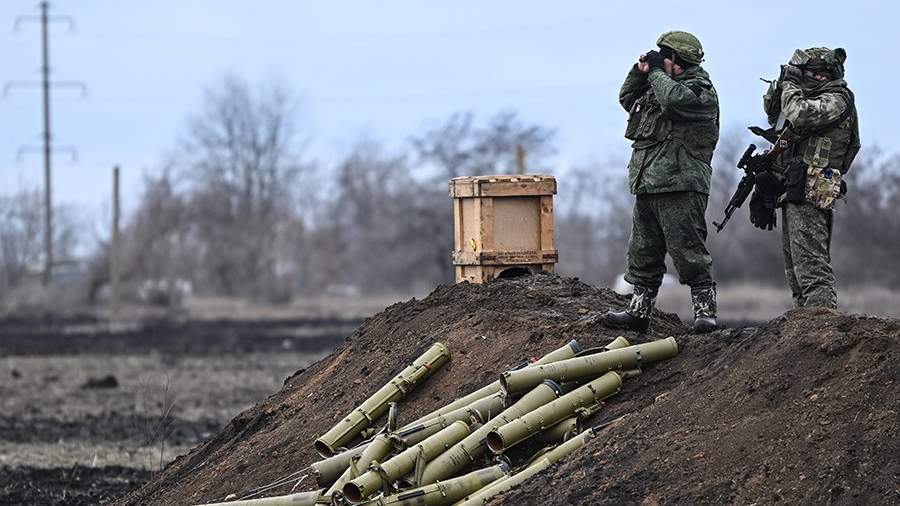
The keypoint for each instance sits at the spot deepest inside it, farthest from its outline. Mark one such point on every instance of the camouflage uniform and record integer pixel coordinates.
(825, 114)
(674, 123)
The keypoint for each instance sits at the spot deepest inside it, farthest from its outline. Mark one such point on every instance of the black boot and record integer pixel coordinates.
(704, 300)
(637, 316)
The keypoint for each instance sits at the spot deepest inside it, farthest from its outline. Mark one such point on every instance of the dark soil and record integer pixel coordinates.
(802, 410)
(108, 426)
(76, 390)
(73, 486)
(47, 336)
(487, 328)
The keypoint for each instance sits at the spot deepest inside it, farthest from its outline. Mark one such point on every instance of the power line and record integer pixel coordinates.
(47, 149)
(553, 89)
(348, 38)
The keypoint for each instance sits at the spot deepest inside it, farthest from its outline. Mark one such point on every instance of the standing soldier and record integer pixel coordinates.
(818, 109)
(674, 123)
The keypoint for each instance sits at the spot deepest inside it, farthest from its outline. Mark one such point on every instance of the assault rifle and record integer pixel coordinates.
(752, 164)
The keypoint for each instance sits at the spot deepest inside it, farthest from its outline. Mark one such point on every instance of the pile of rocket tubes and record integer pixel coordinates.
(460, 453)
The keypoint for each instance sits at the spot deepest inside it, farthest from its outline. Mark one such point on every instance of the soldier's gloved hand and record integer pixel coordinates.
(769, 188)
(790, 74)
(762, 216)
(655, 60)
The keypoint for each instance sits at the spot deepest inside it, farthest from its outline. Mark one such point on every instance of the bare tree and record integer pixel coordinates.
(21, 225)
(458, 147)
(593, 223)
(866, 227)
(241, 160)
(389, 230)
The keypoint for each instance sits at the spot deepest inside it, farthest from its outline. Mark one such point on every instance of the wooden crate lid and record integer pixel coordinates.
(504, 185)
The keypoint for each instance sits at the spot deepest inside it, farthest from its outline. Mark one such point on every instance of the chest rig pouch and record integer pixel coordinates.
(814, 174)
(646, 121)
(823, 183)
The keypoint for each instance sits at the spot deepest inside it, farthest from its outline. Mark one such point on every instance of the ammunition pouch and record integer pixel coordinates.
(823, 187)
(646, 120)
(823, 182)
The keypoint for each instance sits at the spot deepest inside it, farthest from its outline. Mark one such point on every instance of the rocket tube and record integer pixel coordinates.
(553, 412)
(375, 406)
(445, 492)
(405, 462)
(379, 448)
(590, 366)
(328, 470)
(473, 446)
(505, 484)
(568, 350)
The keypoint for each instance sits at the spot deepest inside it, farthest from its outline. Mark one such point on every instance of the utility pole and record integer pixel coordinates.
(520, 159)
(114, 249)
(45, 19)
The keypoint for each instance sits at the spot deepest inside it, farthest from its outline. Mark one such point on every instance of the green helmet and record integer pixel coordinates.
(685, 45)
(821, 58)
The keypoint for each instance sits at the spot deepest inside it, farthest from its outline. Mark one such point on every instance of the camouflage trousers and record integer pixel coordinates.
(806, 241)
(673, 223)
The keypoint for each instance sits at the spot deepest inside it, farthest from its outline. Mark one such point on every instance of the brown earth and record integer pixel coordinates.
(802, 410)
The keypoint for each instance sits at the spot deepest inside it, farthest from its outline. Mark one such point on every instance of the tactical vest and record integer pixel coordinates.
(826, 155)
(647, 125)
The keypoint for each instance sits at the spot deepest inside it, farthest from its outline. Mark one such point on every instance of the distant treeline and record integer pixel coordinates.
(240, 209)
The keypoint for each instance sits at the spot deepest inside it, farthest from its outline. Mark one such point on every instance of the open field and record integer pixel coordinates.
(70, 434)
(87, 413)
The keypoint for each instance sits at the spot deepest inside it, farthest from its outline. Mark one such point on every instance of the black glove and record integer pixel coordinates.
(769, 188)
(791, 74)
(655, 60)
(761, 215)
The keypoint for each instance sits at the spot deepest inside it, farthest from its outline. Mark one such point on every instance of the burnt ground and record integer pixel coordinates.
(76, 485)
(803, 410)
(88, 411)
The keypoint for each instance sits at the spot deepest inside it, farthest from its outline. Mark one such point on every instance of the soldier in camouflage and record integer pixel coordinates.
(814, 102)
(674, 125)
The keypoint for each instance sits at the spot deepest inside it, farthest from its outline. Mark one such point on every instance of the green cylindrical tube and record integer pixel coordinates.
(326, 471)
(379, 448)
(572, 426)
(561, 431)
(563, 450)
(473, 446)
(396, 467)
(301, 499)
(568, 350)
(553, 412)
(445, 492)
(590, 366)
(616, 344)
(481, 410)
(544, 461)
(375, 406)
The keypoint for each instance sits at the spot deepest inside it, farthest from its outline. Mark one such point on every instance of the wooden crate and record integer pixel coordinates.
(502, 225)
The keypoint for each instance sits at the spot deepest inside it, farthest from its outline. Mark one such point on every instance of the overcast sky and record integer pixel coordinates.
(385, 68)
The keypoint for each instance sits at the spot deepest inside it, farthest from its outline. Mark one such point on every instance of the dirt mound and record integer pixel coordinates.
(739, 415)
(802, 411)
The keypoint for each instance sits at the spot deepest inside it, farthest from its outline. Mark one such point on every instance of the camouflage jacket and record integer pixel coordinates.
(822, 115)
(674, 123)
